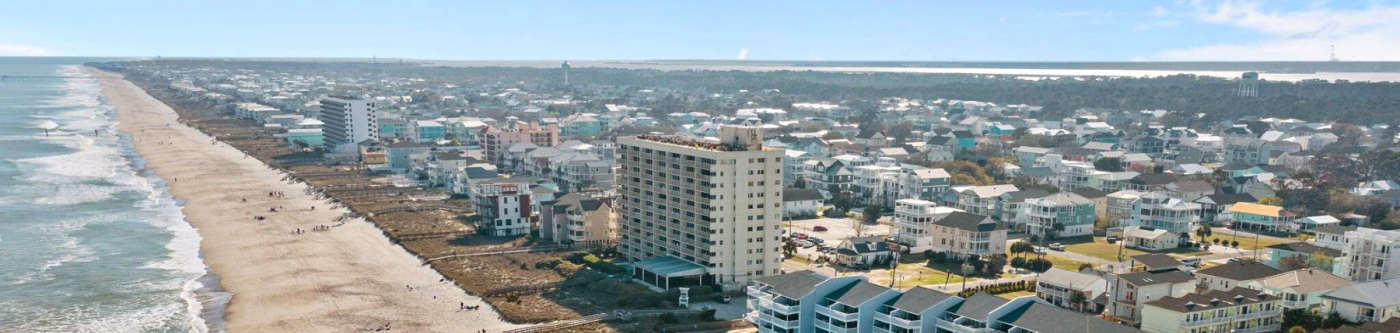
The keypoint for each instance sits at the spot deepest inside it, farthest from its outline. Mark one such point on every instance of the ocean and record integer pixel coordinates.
(90, 240)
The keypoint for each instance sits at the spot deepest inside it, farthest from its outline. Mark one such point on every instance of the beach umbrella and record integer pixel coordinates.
(48, 125)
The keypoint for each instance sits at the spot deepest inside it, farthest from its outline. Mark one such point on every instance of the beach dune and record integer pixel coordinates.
(348, 278)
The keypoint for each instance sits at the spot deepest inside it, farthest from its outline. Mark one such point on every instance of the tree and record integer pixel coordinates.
(1271, 201)
(1109, 164)
(871, 214)
(1085, 266)
(1305, 318)
(843, 202)
(1297, 329)
(1334, 320)
(832, 136)
(1290, 263)
(1077, 300)
(900, 131)
(800, 182)
(994, 264)
(1021, 248)
(789, 248)
(1235, 244)
(1391, 221)
(1321, 261)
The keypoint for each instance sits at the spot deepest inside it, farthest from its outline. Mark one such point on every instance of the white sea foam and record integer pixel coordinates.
(103, 164)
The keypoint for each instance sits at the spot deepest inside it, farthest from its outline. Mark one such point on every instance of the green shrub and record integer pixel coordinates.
(668, 318)
(707, 315)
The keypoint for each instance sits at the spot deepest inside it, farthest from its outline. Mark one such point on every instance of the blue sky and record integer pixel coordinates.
(754, 30)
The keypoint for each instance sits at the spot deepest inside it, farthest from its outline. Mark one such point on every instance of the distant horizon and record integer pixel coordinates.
(1063, 30)
(733, 61)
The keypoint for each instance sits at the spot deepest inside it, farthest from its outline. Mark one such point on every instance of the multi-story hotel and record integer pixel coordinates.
(1369, 254)
(348, 121)
(497, 140)
(695, 211)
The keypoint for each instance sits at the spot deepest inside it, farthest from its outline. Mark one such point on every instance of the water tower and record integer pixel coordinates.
(1249, 84)
(565, 66)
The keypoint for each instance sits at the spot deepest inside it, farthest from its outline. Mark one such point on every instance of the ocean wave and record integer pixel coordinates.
(99, 164)
(201, 301)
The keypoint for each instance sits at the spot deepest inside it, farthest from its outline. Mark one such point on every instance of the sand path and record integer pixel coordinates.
(350, 278)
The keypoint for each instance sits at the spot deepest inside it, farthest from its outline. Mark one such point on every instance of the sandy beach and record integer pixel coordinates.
(347, 278)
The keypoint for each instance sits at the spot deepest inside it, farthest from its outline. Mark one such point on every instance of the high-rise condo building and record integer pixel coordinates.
(349, 121)
(696, 211)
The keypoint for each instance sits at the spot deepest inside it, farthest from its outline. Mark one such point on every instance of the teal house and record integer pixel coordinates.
(1304, 249)
(428, 131)
(577, 125)
(392, 128)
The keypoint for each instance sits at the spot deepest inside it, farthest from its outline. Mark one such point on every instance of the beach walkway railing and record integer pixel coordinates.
(474, 254)
(450, 208)
(429, 235)
(562, 324)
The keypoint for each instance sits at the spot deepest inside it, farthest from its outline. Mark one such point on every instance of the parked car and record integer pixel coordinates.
(1112, 239)
(1057, 246)
(815, 240)
(1192, 261)
(819, 228)
(799, 235)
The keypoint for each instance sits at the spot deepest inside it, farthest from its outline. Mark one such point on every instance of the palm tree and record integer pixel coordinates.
(1077, 300)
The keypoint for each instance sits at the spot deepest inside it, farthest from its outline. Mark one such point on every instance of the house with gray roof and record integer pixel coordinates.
(1366, 301)
(1234, 274)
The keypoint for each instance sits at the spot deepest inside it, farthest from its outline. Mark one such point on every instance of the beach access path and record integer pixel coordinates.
(348, 278)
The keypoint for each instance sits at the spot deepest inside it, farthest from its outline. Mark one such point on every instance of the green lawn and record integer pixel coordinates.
(1064, 263)
(1098, 247)
(920, 274)
(1248, 243)
(1016, 294)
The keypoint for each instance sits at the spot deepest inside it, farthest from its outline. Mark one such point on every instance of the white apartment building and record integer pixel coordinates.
(981, 200)
(911, 220)
(1369, 254)
(1239, 310)
(1078, 174)
(348, 121)
(698, 211)
(1158, 211)
(503, 207)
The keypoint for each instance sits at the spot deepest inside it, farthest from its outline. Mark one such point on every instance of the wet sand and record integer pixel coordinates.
(348, 278)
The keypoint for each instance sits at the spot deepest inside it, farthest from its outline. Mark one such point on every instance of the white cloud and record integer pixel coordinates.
(23, 50)
(1363, 34)
(744, 53)
(1160, 11)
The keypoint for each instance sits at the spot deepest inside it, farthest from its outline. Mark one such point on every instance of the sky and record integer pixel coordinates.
(929, 30)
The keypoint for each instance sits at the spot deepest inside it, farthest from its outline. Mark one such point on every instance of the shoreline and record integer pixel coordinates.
(351, 277)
